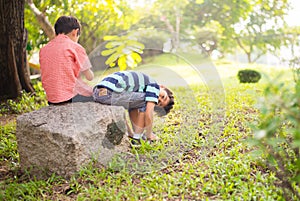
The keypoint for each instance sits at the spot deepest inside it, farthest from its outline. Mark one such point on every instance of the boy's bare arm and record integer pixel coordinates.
(149, 119)
(89, 75)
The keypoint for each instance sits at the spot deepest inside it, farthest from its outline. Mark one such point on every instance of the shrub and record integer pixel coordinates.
(295, 66)
(27, 102)
(277, 136)
(248, 76)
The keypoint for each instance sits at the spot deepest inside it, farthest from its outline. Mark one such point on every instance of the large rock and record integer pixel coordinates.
(61, 139)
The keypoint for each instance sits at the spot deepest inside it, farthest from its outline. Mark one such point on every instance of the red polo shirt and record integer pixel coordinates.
(61, 62)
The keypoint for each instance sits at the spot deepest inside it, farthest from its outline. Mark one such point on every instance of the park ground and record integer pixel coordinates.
(203, 153)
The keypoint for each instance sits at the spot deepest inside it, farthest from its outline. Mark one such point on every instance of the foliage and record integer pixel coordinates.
(199, 149)
(8, 145)
(27, 102)
(277, 136)
(295, 65)
(222, 15)
(255, 26)
(123, 50)
(98, 18)
(248, 76)
(208, 36)
(263, 31)
(292, 42)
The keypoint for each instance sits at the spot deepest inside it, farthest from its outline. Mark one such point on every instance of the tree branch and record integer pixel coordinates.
(42, 20)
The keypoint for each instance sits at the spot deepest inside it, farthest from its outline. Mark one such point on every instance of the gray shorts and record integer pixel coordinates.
(129, 100)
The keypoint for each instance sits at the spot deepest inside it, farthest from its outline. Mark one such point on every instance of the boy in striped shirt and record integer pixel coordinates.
(138, 93)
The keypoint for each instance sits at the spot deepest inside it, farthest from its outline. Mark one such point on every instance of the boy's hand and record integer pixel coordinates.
(153, 137)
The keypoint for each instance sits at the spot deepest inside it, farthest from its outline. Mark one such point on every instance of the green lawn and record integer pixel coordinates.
(202, 155)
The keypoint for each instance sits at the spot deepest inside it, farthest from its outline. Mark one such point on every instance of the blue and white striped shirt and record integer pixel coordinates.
(132, 81)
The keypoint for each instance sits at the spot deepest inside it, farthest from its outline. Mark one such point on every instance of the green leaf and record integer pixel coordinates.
(113, 44)
(113, 58)
(108, 52)
(29, 47)
(136, 57)
(106, 38)
(296, 144)
(122, 63)
(135, 44)
(130, 61)
(135, 49)
(125, 50)
(112, 64)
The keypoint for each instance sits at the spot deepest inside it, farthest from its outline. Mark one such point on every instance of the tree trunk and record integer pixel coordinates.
(177, 33)
(14, 75)
(249, 57)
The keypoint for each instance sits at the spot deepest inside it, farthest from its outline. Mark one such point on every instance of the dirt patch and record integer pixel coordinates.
(7, 118)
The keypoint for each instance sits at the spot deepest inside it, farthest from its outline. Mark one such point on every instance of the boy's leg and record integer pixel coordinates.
(129, 100)
(102, 95)
(137, 119)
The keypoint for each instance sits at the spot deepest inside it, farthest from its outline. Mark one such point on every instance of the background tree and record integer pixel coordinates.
(255, 27)
(14, 74)
(211, 22)
(42, 20)
(262, 31)
(98, 18)
(167, 15)
(172, 16)
(291, 40)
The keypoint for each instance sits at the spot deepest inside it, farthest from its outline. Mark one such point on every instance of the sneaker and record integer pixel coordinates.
(134, 141)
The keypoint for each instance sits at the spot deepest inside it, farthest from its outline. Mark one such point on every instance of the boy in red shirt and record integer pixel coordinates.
(62, 62)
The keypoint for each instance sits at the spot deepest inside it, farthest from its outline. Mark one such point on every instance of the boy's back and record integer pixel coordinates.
(61, 61)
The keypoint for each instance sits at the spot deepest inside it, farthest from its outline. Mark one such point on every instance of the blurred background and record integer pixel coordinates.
(246, 31)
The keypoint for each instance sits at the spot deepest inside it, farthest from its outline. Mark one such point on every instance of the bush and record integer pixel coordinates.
(27, 102)
(277, 136)
(295, 65)
(248, 76)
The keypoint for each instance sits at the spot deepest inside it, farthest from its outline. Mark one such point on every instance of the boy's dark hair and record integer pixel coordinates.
(65, 24)
(165, 110)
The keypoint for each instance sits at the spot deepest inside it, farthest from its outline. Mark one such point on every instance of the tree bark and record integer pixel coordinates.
(14, 75)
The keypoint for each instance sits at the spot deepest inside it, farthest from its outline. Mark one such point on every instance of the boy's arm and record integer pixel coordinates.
(89, 75)
(149, 120)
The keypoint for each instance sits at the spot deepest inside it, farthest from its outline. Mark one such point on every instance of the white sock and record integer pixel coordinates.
(137, 136)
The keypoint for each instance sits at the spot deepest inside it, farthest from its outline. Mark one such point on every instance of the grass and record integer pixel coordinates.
(202, 155)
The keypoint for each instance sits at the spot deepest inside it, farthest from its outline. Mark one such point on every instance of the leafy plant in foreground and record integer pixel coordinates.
(27, 102)
(295, 66)
(8, 144)
(278, 135)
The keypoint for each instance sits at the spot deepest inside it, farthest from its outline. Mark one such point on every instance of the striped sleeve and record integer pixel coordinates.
(115, 82)
(152, 92)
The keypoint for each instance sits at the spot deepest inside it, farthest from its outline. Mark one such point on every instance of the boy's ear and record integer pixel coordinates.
(74, 32)
(78, 32)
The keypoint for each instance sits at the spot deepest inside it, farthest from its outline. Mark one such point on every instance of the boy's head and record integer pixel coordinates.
(66, 24)
(165, 101)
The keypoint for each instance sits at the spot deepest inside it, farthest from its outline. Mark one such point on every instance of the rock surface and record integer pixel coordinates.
(62, 139)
